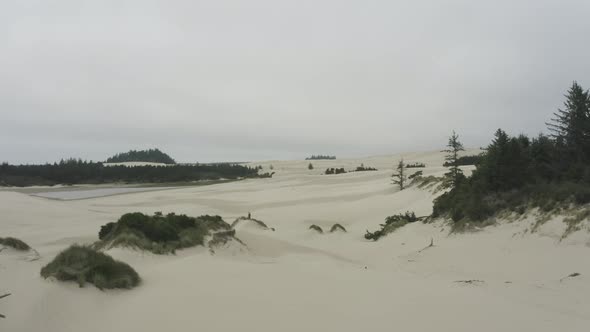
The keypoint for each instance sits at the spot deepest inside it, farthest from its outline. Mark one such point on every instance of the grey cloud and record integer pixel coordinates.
(262, 79)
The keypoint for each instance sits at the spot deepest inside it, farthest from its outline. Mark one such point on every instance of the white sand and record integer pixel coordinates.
(294, 279)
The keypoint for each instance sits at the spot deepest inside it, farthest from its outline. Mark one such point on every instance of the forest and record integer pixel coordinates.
(76, 171)
(151, 156)
(517, 172)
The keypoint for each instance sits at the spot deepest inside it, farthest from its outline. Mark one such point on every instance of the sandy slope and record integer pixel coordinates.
(293, 279)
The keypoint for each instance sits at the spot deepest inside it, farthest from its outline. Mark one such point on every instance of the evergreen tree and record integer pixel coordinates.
(310, 166)
(571, 125)
(399, 178)
(455, 174)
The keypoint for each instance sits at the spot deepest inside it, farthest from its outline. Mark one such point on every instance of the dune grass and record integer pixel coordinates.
(159, 234)
(337, 227)
(317, 229)
(258, 222)
(14, 243)
(87, 265)
(391, 224)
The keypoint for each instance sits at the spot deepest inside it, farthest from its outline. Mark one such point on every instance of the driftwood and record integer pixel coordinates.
(1, 297)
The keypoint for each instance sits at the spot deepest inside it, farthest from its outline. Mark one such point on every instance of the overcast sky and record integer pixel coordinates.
(235, 80)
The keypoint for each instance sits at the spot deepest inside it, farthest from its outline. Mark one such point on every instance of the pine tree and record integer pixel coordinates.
(455, 174)
(399, 178)
(571, 125)
(310, 166)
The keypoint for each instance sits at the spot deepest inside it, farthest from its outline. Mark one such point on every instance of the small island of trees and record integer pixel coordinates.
(151, 156)
(321, 157)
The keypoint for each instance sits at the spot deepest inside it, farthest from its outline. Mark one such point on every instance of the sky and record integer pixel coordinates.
(229, 80)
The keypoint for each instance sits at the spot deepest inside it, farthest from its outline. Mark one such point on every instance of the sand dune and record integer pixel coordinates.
(294, 279)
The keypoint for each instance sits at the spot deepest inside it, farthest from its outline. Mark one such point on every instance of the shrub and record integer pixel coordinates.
(391, 224)
(158, 233)
(84, 264)
(14, 243)
(415, 165)
(336, 227)
(335, 171)
(317, 228)
(363, 168)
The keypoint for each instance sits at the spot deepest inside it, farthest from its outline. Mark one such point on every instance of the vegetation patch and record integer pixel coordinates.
(317, 229)
(321, 157)
(256, 221)
(158, 233)
(14, 243)
(514, 174)
(337, 227)
(151, 155)
(86, 265)
(391, 224)
(415, 165)
(331, 171)
(363, 168)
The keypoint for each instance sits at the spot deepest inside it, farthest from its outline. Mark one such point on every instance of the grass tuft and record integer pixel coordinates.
(158, 233)
(317, 229)
(337, 227)
(14, 243)
(86, 265)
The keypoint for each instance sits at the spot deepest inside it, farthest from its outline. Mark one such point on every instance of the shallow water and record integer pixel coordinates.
(91, 193)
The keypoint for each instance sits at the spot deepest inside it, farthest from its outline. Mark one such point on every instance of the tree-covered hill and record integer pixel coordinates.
(151, 156)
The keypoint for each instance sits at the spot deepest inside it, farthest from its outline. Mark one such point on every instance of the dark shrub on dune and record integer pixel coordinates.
(316, 228)
(158, 233)
(14, 243)
(84, 264)
(337, 227)
(391, 224)
(415, 165)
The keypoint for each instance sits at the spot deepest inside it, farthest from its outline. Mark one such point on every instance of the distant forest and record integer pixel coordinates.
(517, 172)
(151, 156)
(75, 171)
(467, 160)
(321, 157)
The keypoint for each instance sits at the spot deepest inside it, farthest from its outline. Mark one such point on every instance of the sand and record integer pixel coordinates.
(293, 279)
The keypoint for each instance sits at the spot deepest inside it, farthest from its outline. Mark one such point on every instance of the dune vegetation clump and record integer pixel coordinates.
(337, 227)
(87, 265)
(256, 221)
(14, 243)
(330, 171)
(416, 165)
(160, 234)
(317, 229)
(363, 168)
(391, 224)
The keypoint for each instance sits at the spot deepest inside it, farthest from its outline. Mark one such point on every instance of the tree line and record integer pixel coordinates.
(76, 171)
(516, 172)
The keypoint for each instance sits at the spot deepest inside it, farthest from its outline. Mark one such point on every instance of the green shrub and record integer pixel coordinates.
(84, 264)
(14, 243)
(158, 233)
(391, 224)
